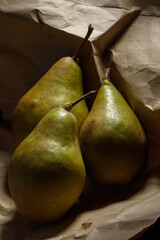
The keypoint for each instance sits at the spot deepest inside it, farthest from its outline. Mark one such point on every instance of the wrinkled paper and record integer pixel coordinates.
(34, 35)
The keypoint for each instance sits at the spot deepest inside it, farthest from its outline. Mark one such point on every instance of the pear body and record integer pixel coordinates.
(112, 139)
(61, 84)
(47, 173)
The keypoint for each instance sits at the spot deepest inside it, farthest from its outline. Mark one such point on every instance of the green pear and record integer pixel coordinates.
(62, 83)
(47, 173)
(112, 140)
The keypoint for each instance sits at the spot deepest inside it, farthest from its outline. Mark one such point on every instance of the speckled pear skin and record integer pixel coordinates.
(47, 173)
(112, 139)
(61, 84)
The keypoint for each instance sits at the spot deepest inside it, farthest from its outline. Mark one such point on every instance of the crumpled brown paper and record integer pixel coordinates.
(36, 34)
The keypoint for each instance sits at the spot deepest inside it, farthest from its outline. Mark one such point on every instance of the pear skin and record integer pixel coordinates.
(112, 139)
(61, 84)
(47, 173)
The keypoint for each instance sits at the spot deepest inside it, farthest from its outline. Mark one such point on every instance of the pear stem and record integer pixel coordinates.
(107, 71)
(90, 30)
(87, 95)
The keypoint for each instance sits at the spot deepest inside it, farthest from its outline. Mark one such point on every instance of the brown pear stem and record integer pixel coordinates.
(87, 95)
(107, 71)
(90, 30)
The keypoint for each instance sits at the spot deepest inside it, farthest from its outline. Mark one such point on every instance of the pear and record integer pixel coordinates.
(47, 173)
(112, 140)
(62, 83)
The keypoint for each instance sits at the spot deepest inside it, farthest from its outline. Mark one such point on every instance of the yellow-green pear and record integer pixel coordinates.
(47, 173)
(112, 139)
(62, 83)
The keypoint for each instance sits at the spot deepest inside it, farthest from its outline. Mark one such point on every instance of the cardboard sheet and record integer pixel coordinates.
(36, 34)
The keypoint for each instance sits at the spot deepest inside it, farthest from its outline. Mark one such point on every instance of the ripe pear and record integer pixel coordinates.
(47, 173)
(62, 83)
(112, 140)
